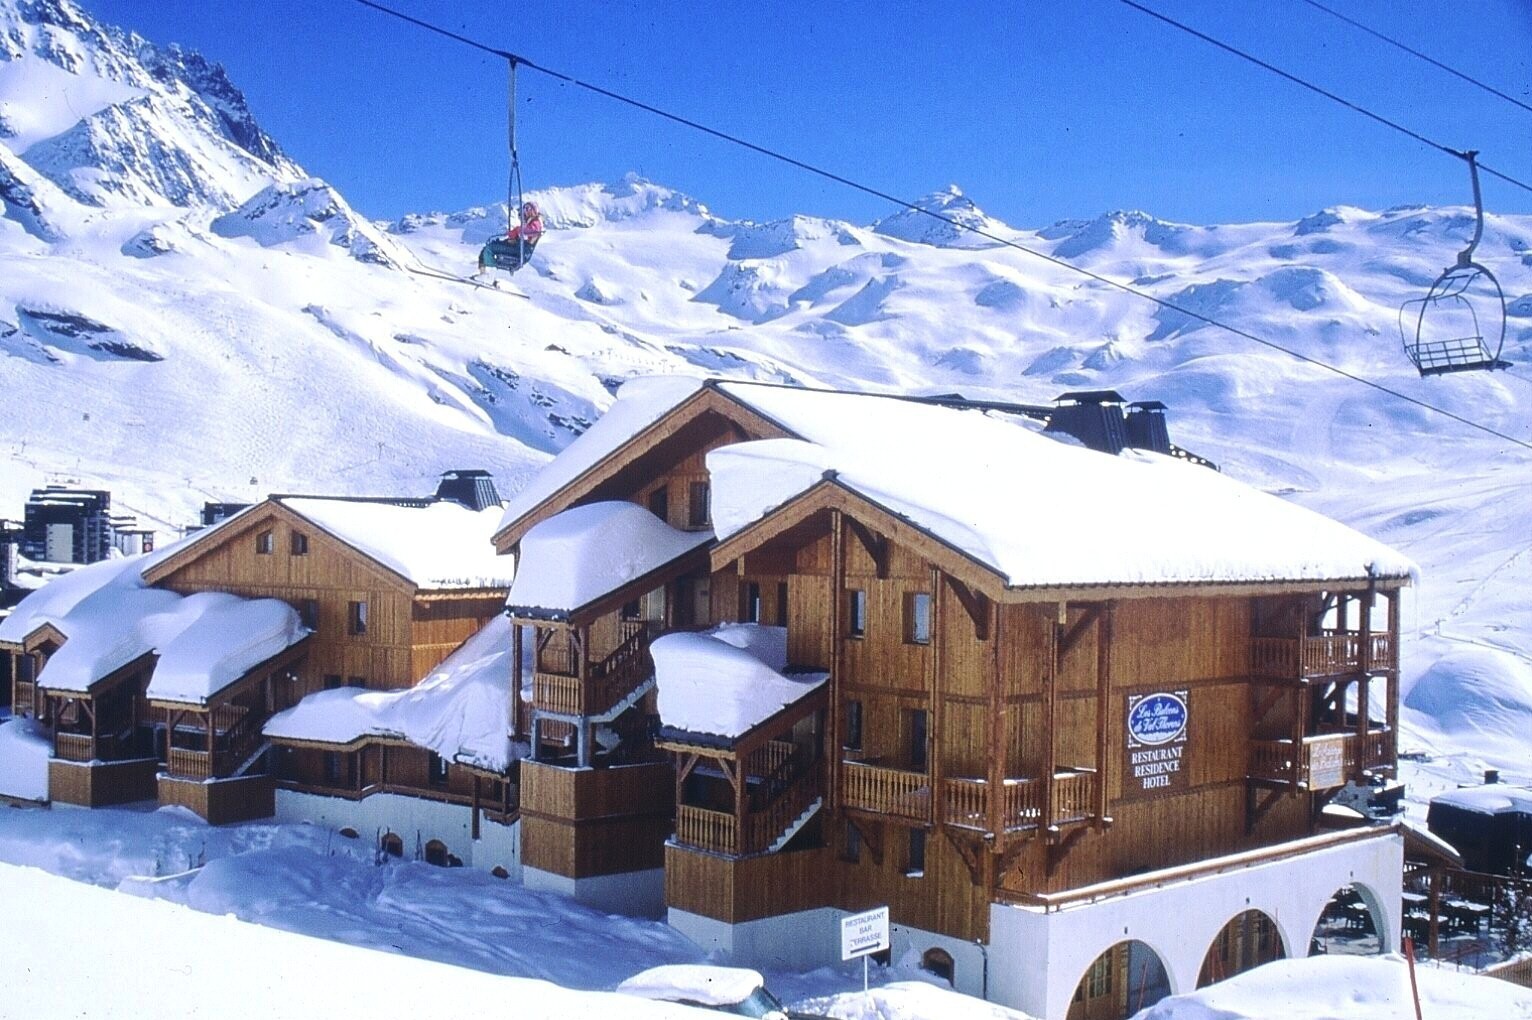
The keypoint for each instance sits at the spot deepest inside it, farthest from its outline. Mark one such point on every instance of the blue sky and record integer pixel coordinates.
(1038, 110)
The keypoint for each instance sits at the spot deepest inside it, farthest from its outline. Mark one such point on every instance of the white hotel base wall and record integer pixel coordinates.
(416, 820)
(633, 894)
(811, 938)
(1038, 958)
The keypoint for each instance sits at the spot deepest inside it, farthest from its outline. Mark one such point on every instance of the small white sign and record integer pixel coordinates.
(864, 934)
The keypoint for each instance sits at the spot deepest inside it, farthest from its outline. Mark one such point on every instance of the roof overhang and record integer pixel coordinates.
(101, 684)
(617, 597)
(292, 653)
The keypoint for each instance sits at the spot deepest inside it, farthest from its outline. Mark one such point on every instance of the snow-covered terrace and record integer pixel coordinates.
(586, 553)
(461, 710)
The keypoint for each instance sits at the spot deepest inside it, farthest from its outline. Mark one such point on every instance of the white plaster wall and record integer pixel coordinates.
(634, 893)
(1038, 958)
(799, 941)
(416, 820)
(969, 959)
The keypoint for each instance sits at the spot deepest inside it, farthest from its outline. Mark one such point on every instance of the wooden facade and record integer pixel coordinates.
(974, 744)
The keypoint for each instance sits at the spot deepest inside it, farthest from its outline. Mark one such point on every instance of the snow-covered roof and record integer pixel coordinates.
(726, 681)
(586, 552)
(700, 983)
(219, 638)
(49, 603)
(461, 710)
(439, 545)
(1035, 511)
(641, 403)
(1491, 799)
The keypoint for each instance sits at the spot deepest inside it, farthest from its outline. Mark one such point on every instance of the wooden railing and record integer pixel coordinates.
(1323, 762)
(764, 827)
(965, 804)
(186, 764)
(1329, 654)
(706, 829)
(558, 654)
(74, 747)
(1074, 796)
(886, 791)
(556, 688)
(25, 698)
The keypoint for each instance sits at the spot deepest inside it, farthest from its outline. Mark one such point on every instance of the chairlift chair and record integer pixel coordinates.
(501, 252)
(1459, 326)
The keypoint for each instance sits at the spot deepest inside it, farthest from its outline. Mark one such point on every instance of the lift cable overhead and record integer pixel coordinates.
(1416, 53)
(871, 191)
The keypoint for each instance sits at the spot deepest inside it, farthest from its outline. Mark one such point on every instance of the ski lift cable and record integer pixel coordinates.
(1318, 90)
(874, 192)
(1416, 53)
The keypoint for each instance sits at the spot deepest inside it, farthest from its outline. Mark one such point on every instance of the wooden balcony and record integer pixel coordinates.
(1074, 796)
(966, 804)
(558, 688)
(1321, 762)
(1329, 654)
(894, 793)
(720, 832)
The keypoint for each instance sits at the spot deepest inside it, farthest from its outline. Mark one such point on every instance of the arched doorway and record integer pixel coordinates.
(1126, 978)
(391, 844)
(1348, 925)
(1247, 941)
(939, 962)
(436, 853)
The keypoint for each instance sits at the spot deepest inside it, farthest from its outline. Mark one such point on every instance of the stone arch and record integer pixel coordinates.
(1129, 976)
(1249, 939)
(1361, 905)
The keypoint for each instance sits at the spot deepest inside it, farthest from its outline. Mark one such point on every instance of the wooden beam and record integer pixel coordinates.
(975, 603)
(837, 654)
(935, 767)
(1104, 711)
(995, 780)
(1050, 662)
(1075, 633)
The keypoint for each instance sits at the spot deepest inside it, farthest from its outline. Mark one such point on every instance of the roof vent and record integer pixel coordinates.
(474, 489)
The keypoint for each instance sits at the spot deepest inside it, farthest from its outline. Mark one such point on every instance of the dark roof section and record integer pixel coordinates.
(473, 488)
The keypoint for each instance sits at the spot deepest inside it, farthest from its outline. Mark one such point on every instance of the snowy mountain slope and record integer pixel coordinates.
(185, 314)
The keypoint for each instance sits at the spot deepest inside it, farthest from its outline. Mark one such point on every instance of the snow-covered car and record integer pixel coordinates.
(732, 990)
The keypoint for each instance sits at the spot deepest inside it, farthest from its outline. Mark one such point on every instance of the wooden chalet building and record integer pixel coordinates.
(184, 656)
(1073, 716)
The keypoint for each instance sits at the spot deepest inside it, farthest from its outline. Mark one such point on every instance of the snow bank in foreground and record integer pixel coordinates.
(461, 710)
(24, 754)
(907, 1000)
(1357, 988)
(576, 557)
(726, 681)
(195, 960)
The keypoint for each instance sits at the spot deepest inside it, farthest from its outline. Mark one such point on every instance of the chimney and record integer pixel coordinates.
(1094, 417)
(472, 488)
(1491, 776)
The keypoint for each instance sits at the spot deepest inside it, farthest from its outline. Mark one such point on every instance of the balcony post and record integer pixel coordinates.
(515, 677)
(1103, 697)
(996, 778)
(934, 770)
(1392, 712)
(1364, 664)
(837, 655)
(1050, 659)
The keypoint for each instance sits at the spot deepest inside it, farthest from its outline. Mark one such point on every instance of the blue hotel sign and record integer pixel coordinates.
(1156, 731)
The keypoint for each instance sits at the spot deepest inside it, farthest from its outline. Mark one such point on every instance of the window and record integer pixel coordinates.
(915, 854)
(356, 681)
(853, 740)
(699, 510)
(632, 610)
(781, 603)
(856, 613)
(659, 503)
(436, 770)
(358, 618)
(264, 543)
(917, 618)
(332, 767)
(436, 853)
(392, 844)
(332, 681)
(750, 602)
(308, 613)
(915, 722)
(853, 844)
(300, 544)
(939, 962)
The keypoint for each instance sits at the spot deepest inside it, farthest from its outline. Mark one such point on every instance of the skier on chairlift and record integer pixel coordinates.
(512, 251)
